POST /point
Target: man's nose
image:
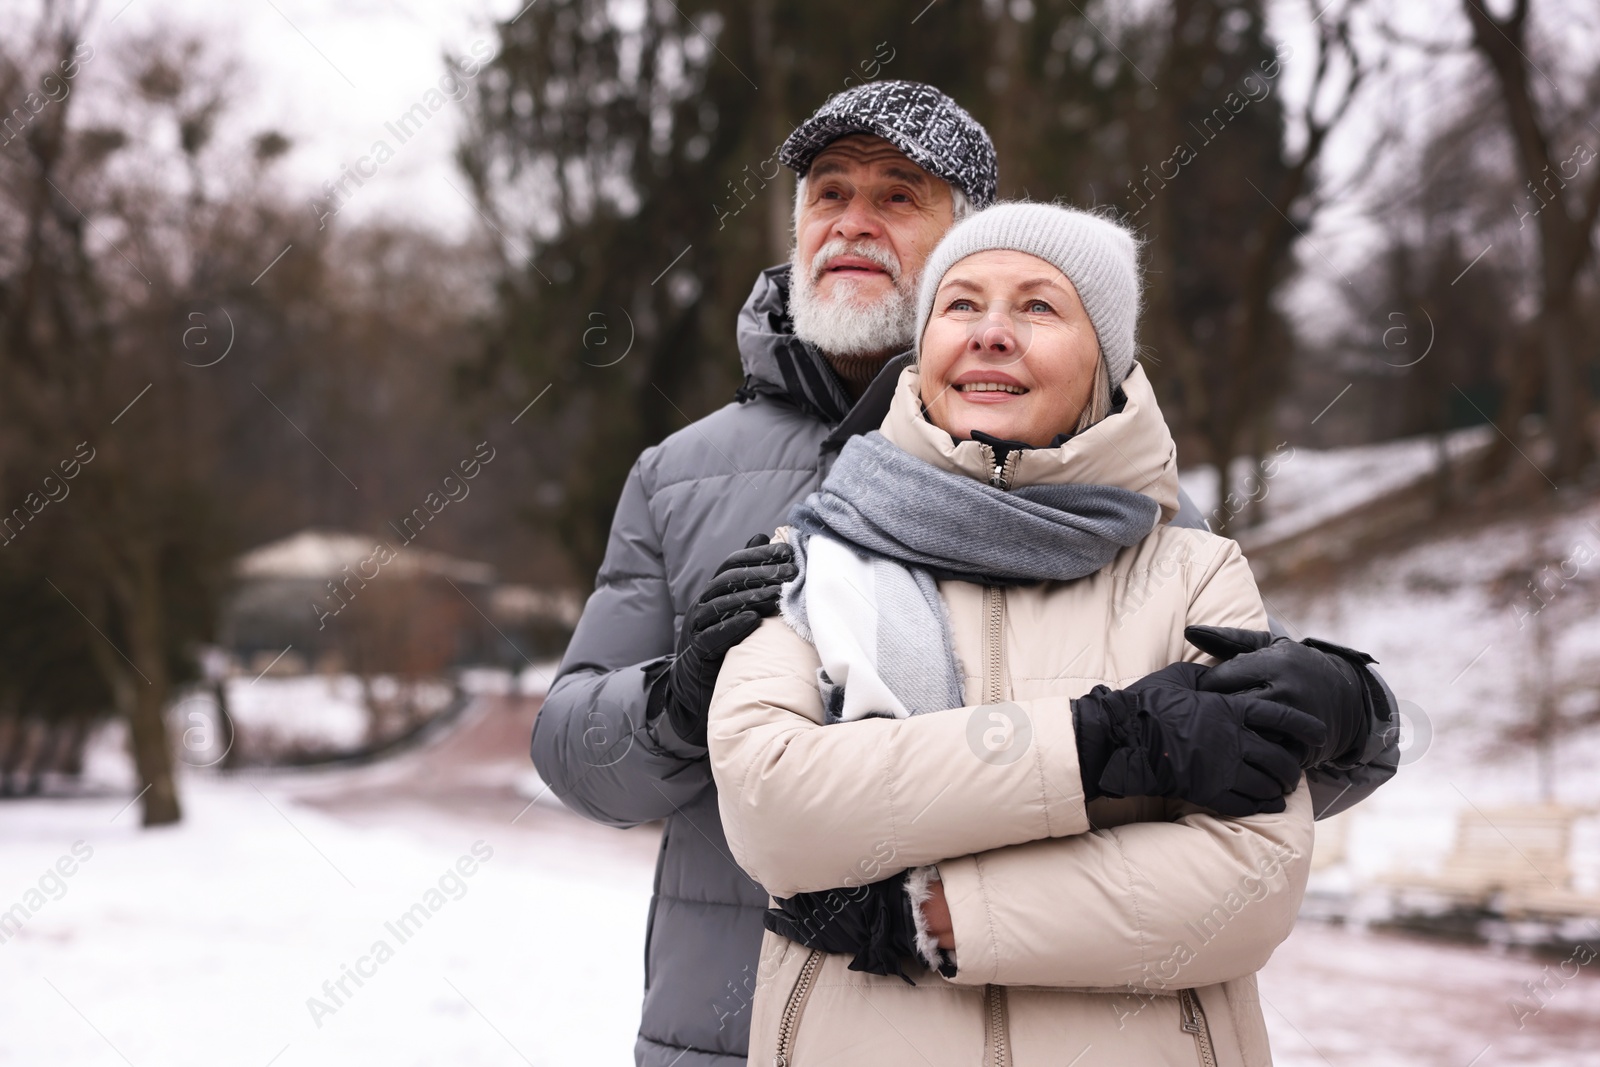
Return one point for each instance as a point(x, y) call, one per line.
point(859, 219)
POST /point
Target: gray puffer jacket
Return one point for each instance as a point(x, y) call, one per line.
point(688, 503)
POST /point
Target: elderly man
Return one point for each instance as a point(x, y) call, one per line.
point(884, 170)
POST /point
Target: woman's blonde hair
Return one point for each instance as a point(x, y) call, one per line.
point(1099, 405)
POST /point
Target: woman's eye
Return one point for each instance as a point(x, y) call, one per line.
point(960, 305)
point(1038, 307)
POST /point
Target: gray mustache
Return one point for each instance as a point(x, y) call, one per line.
point(840, 247)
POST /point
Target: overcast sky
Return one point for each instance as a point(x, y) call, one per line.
point(331, 74)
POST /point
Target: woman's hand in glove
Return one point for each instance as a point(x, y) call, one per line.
point(744, 590)
point(1164, 736)
point(873, 923)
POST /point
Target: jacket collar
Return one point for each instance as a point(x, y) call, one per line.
point(1132, 449)
point(777, 363)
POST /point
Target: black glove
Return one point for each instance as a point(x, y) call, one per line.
point(1164, 736)
point(873, 923)
point(744, 589)
point(1325, 680)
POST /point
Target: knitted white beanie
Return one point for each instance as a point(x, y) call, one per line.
point(1098, 255)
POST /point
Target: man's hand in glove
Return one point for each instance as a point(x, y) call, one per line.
point(1164, 736)
point(743, 591)
point(873, 923)
point(1323, 680)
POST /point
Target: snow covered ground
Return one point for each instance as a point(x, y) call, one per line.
point(212, 941)
point(1333, 998)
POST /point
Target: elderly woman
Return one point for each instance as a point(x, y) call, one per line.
point(972, 761)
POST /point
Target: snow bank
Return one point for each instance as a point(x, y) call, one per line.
point(1309, 486)
point(317, 712)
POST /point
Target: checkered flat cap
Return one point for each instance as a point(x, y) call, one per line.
point(933, 131)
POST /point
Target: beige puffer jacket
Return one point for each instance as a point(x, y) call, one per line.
point(1121, 932)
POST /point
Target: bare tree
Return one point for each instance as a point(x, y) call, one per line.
point(1230, 382)
point(134, 546)
point(1565, 223)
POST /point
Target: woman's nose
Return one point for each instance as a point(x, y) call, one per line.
point(995, 337)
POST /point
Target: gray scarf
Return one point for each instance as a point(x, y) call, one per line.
point(896, 525)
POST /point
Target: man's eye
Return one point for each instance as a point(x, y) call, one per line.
point(900, 198)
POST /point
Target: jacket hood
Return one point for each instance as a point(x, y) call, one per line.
point(1131, 449)
point(776, 362)
point(764, 325)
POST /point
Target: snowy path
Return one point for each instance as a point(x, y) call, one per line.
point(202, 944)
point(1333, 997)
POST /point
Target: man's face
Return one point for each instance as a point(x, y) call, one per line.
point(869, 219)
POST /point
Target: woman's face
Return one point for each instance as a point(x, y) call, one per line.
point(1008, 350)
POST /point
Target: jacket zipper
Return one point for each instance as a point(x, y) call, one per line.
point(1003, 472)
point(998, 1053)
point(994, 597)
point(994, 618)
point(994, 615)
point(1194, 1022)
point(790, 1023)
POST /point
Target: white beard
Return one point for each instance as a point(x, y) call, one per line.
point(848, 323)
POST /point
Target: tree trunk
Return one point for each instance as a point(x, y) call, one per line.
point(1222, 452)
point(52, 744)
point(225, 727)
point(152, 756)
point(72, 759)
point(1260, 434)
point(772, 132)
point(1443, 493)
point(1545, 712)
point(1525, 375)
point(129, 588)
point(12, 736)
point(1006, 87)
point(152, 751)
point(1566, 392)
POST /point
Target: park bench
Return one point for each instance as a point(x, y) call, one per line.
point(1512, 861)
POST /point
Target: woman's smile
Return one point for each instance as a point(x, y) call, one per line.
point(988, 387)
